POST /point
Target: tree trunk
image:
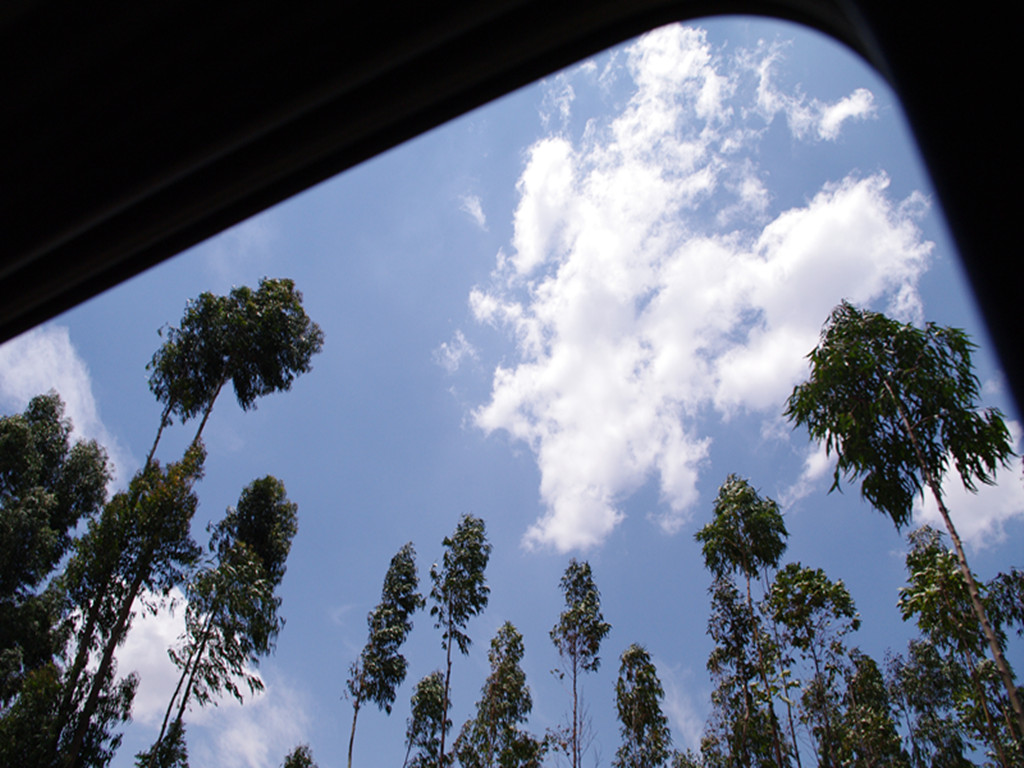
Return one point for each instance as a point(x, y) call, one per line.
point(352, 735)
point(447, 680)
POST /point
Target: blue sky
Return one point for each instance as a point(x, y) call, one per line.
point(572, 313)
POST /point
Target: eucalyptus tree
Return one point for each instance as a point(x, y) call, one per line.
point(231, 619)
point(47, 487)
point(869, 738)
point(260, 341)
point(646, 739)
point(577, 637)
point(381, 668)
point(898, 405)
point(141, 541)
point(300, 757)
point(924, 689)
point(740, 732)
point(937, 598)
point(493, 738)
point(815, 614)
point(459, 593)
point(427, 724)
point(747, 535)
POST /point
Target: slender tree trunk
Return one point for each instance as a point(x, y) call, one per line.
point(776, 746)
point(575, 714)
point(352, 735)
point(186, 673)
point(972, 586)
point(447, 681)
point(208, 409)
point(192, 674)
point(160, 430)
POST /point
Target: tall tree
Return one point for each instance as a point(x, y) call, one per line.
point(740, 732)
point(937, 598)
point(381, 667)
point(300, 757)
point(232, 615)
point(815, 614)
point(869, 736)
point(459, 593)
point(141, 541)
point(747, 535)
point(898, 404)
point(924, 688)
point(577, 637)
point(47, 487)
point(646, 739)
point(427, 725)
point(493, 738)
point(258, 340)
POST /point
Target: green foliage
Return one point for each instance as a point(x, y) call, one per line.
point(577, 637)
point(170, 752)
point(868, 736)
point(300, 757)
point(231, 619)
point(815, 614)
point(646, 740)
point(381, 668)
point(747, 533)
point(427, 724)
point(581, 626)
point(259, 340)
point(937, 597)
point(493, 737)
point(741, 730)
point(46, 487)
point(923, 689)
point(873, 382)
point(460, 589)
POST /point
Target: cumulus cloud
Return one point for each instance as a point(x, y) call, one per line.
point(145, 652)
point(44, 359)
point(980, 518)
point(471, 204)
point(637, 308)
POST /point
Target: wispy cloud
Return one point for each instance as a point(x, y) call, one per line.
point(451, 353)
point(44, 359)
point(636, 307)
point(471, 204)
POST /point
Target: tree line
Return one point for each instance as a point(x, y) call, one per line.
point(895, 404)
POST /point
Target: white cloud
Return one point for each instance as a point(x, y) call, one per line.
point(256, 734)
point(682, 713)
point(634, 310)
point(245, 247)
point(44, 359)
point(471, 204)
point(451, 354)
point(816, 465)
point(805, 117)
point(145, 652)
point(980, 518)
